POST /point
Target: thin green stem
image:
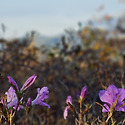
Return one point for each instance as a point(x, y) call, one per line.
point(80, 114)
point(11, 120)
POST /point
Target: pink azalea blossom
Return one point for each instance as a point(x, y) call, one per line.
point(68, 101)
point(110, 95)
point(28, 83)
point(42, 94)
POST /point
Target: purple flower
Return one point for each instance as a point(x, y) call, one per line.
point(83, 92)
point(65, 114)
point(12, 99)
point(28, 83)
point(110, 95)
point(29, 102)
point(2, 101)
point(11, 81)
point(41, 95)
point(68, 102)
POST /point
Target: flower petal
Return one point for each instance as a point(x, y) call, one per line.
point(105, 97)
point(65, 114)
point(2, 101)
point(121, 93)
point(29, 82)
point(106, 109)
point(69, 100)
point(113, 91)
point(44, 89)
point(42, 103)
point(29, 102)
point(11, 81)
point(11, 95)
point(83, 92)
point(121, 108)
point(110, 95)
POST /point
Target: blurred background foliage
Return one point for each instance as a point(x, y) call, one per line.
point(95, 59)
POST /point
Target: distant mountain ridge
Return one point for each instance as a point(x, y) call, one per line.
point(47, 40)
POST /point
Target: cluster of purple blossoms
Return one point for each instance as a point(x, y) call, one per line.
point(110, 96)
point(113, 99)
point(13, 95)
point(69, 101)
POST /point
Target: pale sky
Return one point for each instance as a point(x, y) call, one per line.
point(51, 17)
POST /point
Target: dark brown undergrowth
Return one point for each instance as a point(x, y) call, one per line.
point(65, 71)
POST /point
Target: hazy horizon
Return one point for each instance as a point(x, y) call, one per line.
point(52, 17)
